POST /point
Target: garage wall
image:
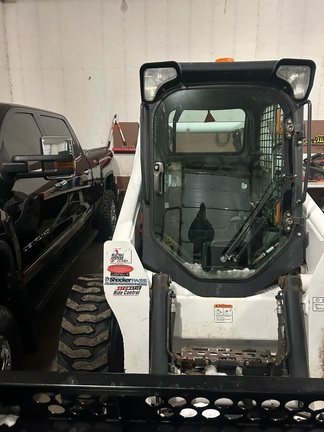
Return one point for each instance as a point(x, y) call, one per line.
point(81, 57)
point(4, 70)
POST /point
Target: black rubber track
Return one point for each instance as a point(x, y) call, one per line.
point(88, 335)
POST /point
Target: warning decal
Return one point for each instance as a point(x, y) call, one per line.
point(223, 313)
point(318, 304)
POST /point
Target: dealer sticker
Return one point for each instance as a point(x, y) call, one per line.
point(318, 304)
point(119, 256)
point(223, 313)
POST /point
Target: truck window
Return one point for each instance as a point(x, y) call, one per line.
point(57, 126)
point(21, 135)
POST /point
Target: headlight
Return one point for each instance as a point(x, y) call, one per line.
point(297, 76)
point(154, 78)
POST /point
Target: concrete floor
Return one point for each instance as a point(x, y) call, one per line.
point(48, 321)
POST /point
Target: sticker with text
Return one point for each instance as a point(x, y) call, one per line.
point(120, 269)
point(127, 290)
point(120, 256)
point(223, 313)
point(318, 304)
point(119, 280)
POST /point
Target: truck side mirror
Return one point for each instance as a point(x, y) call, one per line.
point(56, 161)
point(62, 165)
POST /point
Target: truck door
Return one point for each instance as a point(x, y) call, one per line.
point(77, 190)
point(33, 203)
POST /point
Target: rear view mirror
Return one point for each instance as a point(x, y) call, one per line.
point(59, 157)
point(54, 145)
point(56, 161)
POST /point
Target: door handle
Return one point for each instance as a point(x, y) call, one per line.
point(87, 171)
point(158, 175)
point(60, 184)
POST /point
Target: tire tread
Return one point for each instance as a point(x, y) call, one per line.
point(85, 337)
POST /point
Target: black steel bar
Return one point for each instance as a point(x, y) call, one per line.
point(52, 401)
point(140, 384)
point(295, 327)
point(160, 312)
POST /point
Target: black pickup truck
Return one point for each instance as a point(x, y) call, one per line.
point(50, 189)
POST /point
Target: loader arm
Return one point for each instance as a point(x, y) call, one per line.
point(235, 242)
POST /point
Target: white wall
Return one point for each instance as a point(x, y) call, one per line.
point(4, 71)
point(82, 57)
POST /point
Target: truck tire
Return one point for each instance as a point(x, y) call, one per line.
point(107, 217)
point(90, 339)
point(10, 344)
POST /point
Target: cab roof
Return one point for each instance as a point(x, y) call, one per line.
point(241, 72)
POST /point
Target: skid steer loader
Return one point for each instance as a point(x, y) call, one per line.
point(209, 312)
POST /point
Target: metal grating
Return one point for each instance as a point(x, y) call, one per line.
point(270, 148)
point(90, 401)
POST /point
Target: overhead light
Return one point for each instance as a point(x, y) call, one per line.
point(154, 78)
point(298, 76)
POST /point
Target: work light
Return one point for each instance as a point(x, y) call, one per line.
point(154, 78)
point(298, 78)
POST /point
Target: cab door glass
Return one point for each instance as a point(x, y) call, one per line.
point(218, 169)
point(57, 126)
point(209, 131)
point(79, 192)
point(21, 135)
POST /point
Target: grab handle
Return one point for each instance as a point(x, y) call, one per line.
point(158, 174)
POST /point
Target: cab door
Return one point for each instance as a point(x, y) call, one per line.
point(31, 202)
point(76, 191)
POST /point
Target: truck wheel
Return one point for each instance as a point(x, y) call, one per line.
point(107, 217)
point(90, 339)
point(10, 346)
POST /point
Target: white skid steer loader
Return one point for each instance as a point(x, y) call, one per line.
point(211, 305)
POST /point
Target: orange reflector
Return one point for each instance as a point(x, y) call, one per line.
point(64, 165)
point(278, 208)
point(224, 59)
point(278, 127)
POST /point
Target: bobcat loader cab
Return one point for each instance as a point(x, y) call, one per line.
point(220, 142)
